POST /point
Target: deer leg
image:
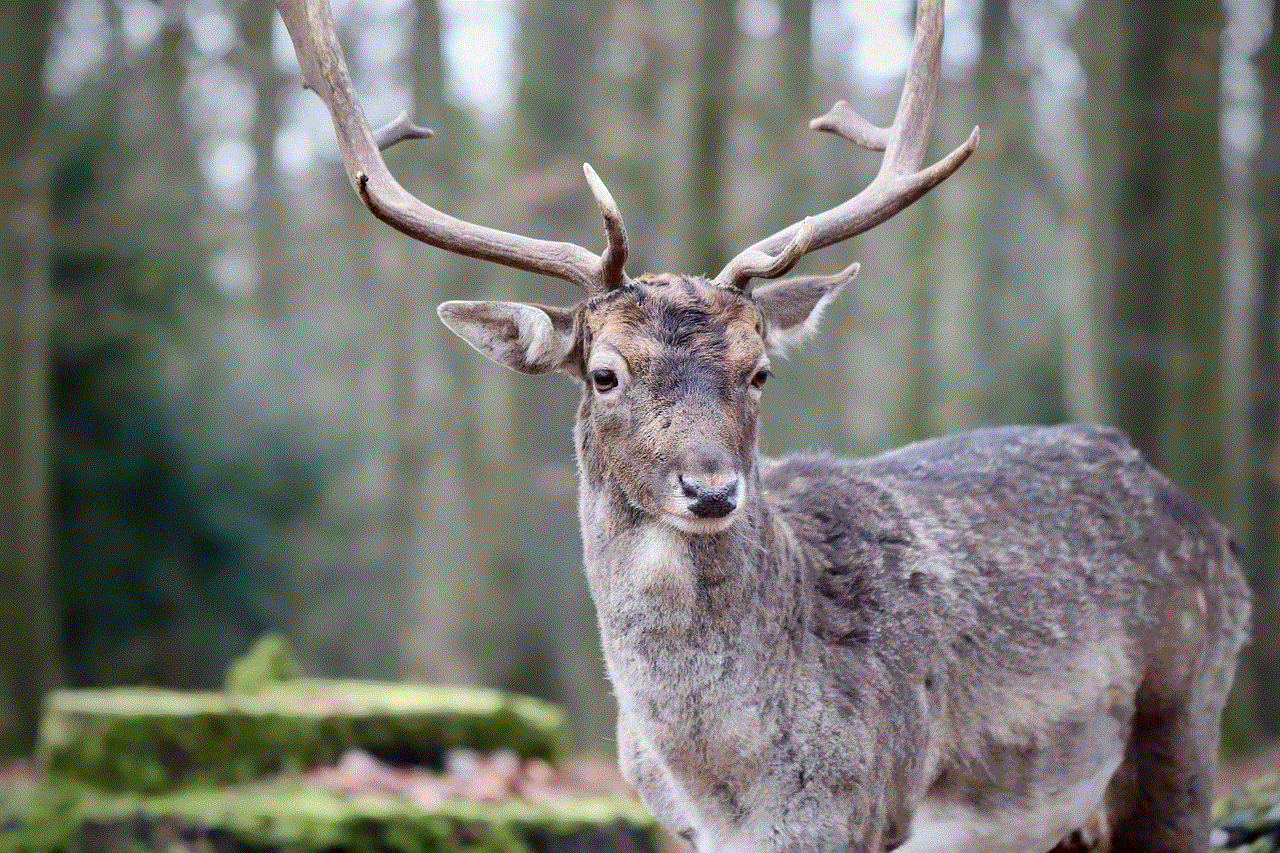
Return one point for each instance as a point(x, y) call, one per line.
point(652, 783)
point(1160, 798)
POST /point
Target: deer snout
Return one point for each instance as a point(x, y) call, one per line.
point(708, 482)
point(706, 501)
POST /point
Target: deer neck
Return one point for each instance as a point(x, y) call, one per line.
point(697, 632)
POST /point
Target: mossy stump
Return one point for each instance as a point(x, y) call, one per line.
point(141, 770)
point(150, 741)
point(282, 816)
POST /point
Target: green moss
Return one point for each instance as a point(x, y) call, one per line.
point(270, 661)
point(288, 816)
point(1250, 812)
point(151, 741)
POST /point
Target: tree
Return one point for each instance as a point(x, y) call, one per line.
point(435, 450)
point(553, 131)
point(1261, 525)
point(1156, 237)
point(29, 660)
point(704, 204)
point(1017, 342)
point(1157, 202)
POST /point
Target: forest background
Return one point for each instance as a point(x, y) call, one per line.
point(228, 407)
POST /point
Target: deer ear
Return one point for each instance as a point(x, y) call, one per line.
point(793, 306)
point(527, 338)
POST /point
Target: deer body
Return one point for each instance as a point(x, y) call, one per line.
point(973, 643)
point(1009, 640)
point(941, 648)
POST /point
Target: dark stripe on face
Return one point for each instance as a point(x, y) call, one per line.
point(689, 326)
point(681, 375)
point(678, 313)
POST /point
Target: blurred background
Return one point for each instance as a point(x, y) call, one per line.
point(228, 405)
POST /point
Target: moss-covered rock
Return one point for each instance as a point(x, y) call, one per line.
point(151, 741)
point(284, 816)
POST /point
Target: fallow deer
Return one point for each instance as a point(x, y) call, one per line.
point(1007, 640)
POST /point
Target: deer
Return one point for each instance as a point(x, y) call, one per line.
point(1014, 639)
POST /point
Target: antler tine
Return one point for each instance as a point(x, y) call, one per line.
point(843, 120)
point(900, 180)
point(615, 253)
point(324, 71)
point(399, 129)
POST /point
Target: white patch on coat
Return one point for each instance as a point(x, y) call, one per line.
point(660, 561)
point(942, 827)
point(537, 335)
point(629, 707)
point(660, 580)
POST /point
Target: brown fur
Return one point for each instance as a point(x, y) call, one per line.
point(863, 654)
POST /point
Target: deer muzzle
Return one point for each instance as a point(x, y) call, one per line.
point(709, 501)
point(704, 489)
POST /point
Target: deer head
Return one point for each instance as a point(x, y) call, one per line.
point(673, 366)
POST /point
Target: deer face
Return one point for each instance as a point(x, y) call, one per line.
point(673, 369)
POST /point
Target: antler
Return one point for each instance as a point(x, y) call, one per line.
point(324, 71)
point(900, 180)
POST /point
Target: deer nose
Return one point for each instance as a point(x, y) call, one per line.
point(706, 501)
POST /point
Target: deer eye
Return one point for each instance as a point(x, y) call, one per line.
point(604, 379)
point(760, 377)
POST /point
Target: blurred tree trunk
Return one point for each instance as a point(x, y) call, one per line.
point(914, 418)
point(271, 234)
point(1015, 367)
point(31, 659)
point(405, 308)
point(638, 70)
point(1152, 135)
point(436, 455)
point(1001, 109)
point(787, 111)
point(703, 206)
point(796, 89)
point(256, 61)
point(1261, 528)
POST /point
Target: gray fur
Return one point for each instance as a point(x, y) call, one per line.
point(946, 647)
